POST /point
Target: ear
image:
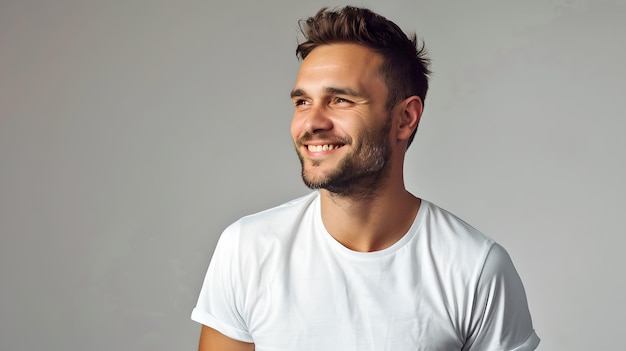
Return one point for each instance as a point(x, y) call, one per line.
point(410, 112)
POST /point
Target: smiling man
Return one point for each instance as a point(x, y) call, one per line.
point(360, 263)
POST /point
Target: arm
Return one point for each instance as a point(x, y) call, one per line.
point(212, 340)
point(219, 309)
point(501, 319)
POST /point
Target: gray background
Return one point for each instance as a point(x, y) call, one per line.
point(132, 132)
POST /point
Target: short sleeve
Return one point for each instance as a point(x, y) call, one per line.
point(221, 295)
point(500, 316)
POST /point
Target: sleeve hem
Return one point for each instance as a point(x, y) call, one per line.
point(530, 344)
point(210, 321)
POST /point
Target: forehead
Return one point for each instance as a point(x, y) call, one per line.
point(341, 63)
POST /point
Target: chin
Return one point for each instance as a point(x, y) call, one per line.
point(314, 182)
point(315, 179)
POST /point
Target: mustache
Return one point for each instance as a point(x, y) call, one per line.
point(326, 137)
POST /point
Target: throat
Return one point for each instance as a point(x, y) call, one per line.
point(368, 226)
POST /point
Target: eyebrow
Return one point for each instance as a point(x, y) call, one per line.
point(297, 93)
point(329, 90)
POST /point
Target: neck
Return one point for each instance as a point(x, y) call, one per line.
point(369, 223)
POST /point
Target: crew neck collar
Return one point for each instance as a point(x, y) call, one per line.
point(336, 245)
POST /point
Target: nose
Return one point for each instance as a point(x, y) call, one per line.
point(317, 120)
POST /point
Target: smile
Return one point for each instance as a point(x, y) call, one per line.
point(325, 147)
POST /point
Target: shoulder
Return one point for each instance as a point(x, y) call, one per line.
point(452, 234)
point(281, 213)
point(266, 226)
point(454, 249)
point(479, 275)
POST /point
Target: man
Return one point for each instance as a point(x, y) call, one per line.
point(361, 263)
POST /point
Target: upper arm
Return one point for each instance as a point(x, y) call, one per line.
point(212, 340)
point(220, 302)
point(501, 317)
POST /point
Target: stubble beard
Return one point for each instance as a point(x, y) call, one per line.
point(359, 174)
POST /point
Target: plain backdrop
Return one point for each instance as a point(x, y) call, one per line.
point(133, 132)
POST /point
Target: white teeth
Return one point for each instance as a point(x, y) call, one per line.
point(318, 148)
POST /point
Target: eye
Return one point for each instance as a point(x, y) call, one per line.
point(300, 102)
point(340, 100)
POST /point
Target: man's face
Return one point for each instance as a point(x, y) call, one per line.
point(341, 125)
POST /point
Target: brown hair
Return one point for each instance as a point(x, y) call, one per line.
point(405, 64)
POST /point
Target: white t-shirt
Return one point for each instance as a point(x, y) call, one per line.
point(280, 280)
